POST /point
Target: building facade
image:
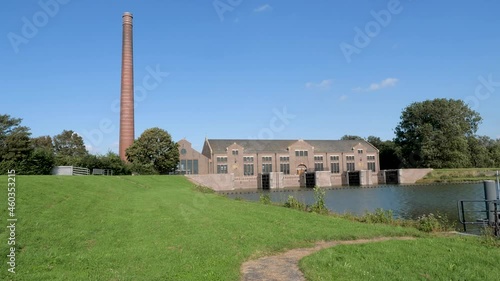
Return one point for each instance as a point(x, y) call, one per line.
point(291, 157)
point(238, 163)
point(191, 162)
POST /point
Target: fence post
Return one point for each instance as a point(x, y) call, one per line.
point(490, 194)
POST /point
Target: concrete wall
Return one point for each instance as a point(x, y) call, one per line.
point(323, 178)
point(62, 170)
point(217, 182)
point(408, 176)
point(249, 182)
point(291, 181)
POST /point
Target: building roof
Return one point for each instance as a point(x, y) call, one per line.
point(251, 146)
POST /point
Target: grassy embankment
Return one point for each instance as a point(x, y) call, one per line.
point(460, 175)
point(152, 228)
point(160, 228)
point(458, 258)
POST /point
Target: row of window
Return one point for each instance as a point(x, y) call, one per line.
point(318, 166)
point(267, 168)
point(188, 166)
point(248, 169)
point(300, 153)
point(223, 159)
point(267, 159)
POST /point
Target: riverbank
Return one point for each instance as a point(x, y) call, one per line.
point(459, 175)
point(158, 228)
point(153, 228)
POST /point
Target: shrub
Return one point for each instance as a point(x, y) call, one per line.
point(293, 203)
point(433, 223)
point(488, 237)
point(204, 189)
point(265, 199)
point(379, 216)
point(319, 206)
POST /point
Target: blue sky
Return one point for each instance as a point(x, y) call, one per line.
point(247, 69)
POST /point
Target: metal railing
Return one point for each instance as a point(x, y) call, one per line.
point(491, 210)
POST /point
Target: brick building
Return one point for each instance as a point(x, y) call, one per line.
point(284, 160)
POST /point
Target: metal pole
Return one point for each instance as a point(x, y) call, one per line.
point(490, 194)
point(463, 216)
point(498, 187)
point(497, 233)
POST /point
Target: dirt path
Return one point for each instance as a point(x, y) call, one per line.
point(285, 266)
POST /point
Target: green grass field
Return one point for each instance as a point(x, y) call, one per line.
point(161, 228)
point(457, 258)
point(151, 228)
point(460, 175)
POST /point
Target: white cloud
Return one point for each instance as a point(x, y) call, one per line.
point(263, 8)
point(343, 97)
point(323, 85)
point(386, 83)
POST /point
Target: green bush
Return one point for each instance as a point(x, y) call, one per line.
point(379, 216)
point(203, 189)
point(319, 205)
point(488, 237)
point(293, 203)
point(433, 223)
point(265, 199)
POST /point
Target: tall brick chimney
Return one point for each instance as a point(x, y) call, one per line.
point(127, 88)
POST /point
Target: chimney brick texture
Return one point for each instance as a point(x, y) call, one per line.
point(127, 88)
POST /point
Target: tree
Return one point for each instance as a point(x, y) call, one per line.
point(478, 151)
point(388, 155)
point(15, 146)
point(43, 142)
point(40, 162)
point(113, 162)
point(351, 137)
point(494, 152)
point(434, 133)
point(154, 152)
point(69, 148)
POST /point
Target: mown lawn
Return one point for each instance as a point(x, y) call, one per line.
point(151, 228)
point(460, 175)
point(457, 258)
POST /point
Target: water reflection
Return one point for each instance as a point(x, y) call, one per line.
point(405, 201)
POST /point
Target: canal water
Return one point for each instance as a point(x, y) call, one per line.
point(406, 201)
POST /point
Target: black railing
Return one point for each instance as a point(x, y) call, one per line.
point(491, 210)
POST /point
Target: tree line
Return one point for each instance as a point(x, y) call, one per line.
point(439, 133)
point(38, 155)
point(153, 152)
